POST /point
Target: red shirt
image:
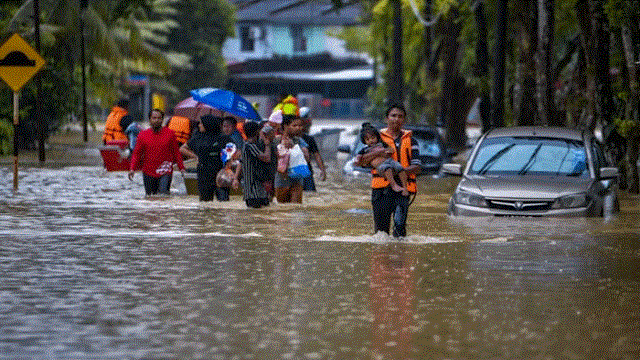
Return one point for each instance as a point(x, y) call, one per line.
point(157, 151)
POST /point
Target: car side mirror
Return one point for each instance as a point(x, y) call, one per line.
point(344, 149)
point(452, 169)
point(608, 173)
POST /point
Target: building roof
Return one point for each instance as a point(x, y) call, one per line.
point(297, 12)
point(341, 75)
point(321, 73)
point(316, 62)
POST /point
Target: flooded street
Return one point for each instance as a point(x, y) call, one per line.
point(91, 269)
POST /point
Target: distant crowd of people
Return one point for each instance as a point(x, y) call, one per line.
point(264, 159)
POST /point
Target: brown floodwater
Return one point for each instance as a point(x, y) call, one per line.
point(90, 269)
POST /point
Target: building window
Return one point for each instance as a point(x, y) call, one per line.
point(299, 41)
point(247, 41)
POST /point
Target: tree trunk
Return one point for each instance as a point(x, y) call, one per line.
point(544, 57)
point(482, 66)
point(427, 41)
point(631, 111)
point(450, 98)
point(396, 87)
point(462, 97)
point(524, 90)
point(497, 95)
point(583, 16)
point(595, 35)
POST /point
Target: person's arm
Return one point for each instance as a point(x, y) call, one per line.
point(323, 172)
point(186, 151)
point(236, 176)
point(176, 154)
point(305, 152)
point(365, 159)
point(265, 156)
point(135, 158)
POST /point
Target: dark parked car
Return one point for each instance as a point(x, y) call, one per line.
point(431, 149)
point(535, 171)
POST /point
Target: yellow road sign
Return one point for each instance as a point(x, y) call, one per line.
point(18, 62)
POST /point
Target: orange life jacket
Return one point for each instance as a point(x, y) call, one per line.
point(240, 128)
point(112, 128)
point(181, 126)
point(402, 155)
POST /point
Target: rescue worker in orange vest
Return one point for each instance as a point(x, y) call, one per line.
point(113, 130)
point(182, 127)
point(384, 201)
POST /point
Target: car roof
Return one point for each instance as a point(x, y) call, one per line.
point(537, 131)
point(420, 128)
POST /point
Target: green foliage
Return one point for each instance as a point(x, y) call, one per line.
point(624, 126)
point(204, 26)
point(619, 11)
point(6, 137)
point(121, 37)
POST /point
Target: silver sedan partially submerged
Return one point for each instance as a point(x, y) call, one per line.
point(535, 171)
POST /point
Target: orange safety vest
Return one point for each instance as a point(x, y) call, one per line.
point(377, 180)
point(112, 128)
point(240, 128)
point(182, 127)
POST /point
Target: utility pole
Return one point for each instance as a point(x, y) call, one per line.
point(40, 120)
point(83, 8)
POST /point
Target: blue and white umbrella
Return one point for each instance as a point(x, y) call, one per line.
point(227, 101)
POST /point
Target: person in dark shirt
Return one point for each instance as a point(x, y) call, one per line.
point(254, 165)
point(308, 183)
point(229, 127)
point(206, 146)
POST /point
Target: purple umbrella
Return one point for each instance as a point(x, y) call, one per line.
point(193, 109)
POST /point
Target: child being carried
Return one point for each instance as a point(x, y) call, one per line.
point(383, 164)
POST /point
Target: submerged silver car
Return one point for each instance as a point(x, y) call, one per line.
point(535, 171)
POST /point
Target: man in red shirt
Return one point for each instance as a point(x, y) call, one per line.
point(157, 150)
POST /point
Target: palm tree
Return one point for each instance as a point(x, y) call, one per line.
point(122, 37)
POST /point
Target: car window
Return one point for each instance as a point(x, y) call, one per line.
point(428, 147)
point(359, 145)
point(530, 155)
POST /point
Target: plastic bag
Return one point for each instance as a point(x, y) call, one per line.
point(224, 178)
point(283, 159)
point(298, 167)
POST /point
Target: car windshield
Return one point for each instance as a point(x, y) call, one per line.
point(428, 145)
point(530, 155)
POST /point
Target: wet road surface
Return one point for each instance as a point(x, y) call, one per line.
point(91, 269)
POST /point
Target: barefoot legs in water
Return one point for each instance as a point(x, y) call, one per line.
point(388, 174)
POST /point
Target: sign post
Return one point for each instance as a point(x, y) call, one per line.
point(18, 63)
point(16, 98)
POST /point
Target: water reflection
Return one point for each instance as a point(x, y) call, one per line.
point(392, 301)
point(91, 269)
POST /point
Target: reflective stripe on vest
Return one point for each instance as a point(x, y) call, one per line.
point(378, 181)
point(181, 127)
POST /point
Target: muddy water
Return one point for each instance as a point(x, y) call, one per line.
point(90, 269)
